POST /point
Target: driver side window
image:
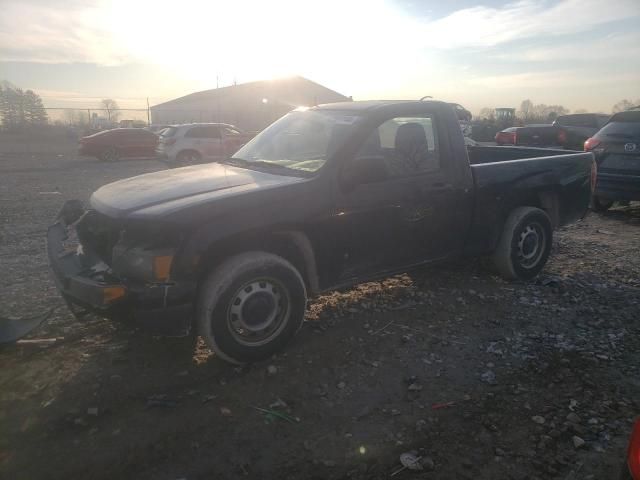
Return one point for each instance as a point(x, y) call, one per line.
point(401, 147)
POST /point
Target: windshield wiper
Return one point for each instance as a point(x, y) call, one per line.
point(262, 165)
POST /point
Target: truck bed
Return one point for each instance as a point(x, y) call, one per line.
point(554, 180)
point(489, 154)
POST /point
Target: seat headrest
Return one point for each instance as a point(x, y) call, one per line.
point(410, 136)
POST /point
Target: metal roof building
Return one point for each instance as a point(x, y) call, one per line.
point(250, 106)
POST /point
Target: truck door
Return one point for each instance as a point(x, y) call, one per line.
point(404, 213)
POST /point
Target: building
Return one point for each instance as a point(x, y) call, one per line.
point(250, 106)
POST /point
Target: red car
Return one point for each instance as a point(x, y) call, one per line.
point(506, 136)
point(112, 145)
point(631, 471)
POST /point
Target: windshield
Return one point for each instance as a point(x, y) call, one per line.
point(168, 132)
point(625, 125)
point(301, 141)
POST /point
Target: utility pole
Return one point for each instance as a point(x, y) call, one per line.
point(148, 113)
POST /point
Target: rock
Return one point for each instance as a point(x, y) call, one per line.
point(538, 419)
point(488, 377)
point(272, 369)
point(92, 411)
point(341, 385)
point(573, 418)
point(428, 464)
point(578, 442)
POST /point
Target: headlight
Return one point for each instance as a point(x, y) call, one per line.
point(142, 264)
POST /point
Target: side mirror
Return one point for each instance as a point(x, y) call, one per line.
point(368, 169)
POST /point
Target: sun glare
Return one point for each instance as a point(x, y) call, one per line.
point(247, 40)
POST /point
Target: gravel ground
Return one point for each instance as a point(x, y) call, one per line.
point(479, 377)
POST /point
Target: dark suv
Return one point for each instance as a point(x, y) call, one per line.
point(617, 152)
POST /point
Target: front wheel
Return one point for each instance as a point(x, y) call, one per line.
point(524, 245)
point(188, 157)
point(251, 306)
point(599, 204)
point(111, 154)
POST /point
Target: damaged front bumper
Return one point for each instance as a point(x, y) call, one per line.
point(87, 282)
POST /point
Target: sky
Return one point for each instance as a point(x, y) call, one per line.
point(582, 54)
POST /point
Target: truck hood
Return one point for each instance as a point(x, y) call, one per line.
point(167, 191)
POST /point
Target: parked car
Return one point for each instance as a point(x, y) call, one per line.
point(193, 143)
point(631, 468)
point(567, 131)
point(535, 135)
point(112, 145)
point(617, 152)
point(576, 128)
point(157, 128)
point(506, 136)
point(323, 198)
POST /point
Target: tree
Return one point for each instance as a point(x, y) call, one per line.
point(530, 113)
point(20, 109)
point(623, 105)
point(526, 110)
point(487, 113)
point(12, 107)
point(34, 111)
point(112, 108)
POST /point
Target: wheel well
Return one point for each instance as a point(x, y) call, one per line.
point(292, 245)
point(188, 150)
point(547, 201)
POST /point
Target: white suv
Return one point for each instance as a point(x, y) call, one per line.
point(199, 142)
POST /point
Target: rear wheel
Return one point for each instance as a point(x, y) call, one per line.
point(188, 157)
point(599, 204)
point(251, 306)
point(525, 244)
point(111, 154)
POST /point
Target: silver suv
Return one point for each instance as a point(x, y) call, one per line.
point(199, 142)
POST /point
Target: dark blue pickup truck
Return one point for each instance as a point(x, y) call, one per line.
point(323, 198)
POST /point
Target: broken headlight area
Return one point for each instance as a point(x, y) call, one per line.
point(139, 263)
point(128, 252)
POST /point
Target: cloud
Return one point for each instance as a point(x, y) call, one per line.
point(618, 46)
point(50, 32)
point(111, 32)
point(489, 26)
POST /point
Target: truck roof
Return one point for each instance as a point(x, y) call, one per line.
point(369, 105)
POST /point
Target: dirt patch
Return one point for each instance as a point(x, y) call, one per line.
point(482, 378)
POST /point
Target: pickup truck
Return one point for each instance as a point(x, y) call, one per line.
point(323, 198)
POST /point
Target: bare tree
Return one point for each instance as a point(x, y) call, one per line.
point(487, 113)
point(526, 110)
point(625, 104)
point(112, 108)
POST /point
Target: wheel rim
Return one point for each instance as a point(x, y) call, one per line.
point(258, 311)
point(532, 243)
point(111, 155)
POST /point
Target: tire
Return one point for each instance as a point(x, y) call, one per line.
point(250, 307)
point(188, 157)
point(111, 154)
point(600, 205)
point(525, 244)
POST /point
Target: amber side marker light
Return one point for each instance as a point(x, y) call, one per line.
point(109, 294)
point(162, 267)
